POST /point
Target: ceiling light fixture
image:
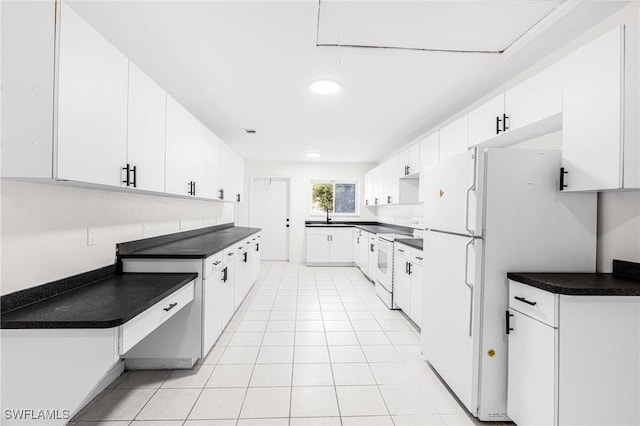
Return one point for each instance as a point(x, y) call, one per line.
point(324, 87)
point(312, 155)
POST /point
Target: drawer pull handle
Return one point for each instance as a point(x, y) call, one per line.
point(401, 251)
point(217, 262)
point(419, 258)
point(523, 300)
point(171, 306)
point(230, 254)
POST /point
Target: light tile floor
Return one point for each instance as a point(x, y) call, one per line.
point(308, 346)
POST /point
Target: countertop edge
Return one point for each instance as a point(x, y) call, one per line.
point(111, 323)
point(202, 255)
point(558, 288)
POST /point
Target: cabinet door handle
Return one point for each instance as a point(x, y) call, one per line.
point(498, 128)
point(562, 173)
point(371, 248)
point(507, 322)
point(523, 300)
point(406, 268)
point(257, 246)
point(127, 170)
point(505, 127)
point(389, 199)
point(409, 266)
point(221, 194)
point(366, 202)
point(224, 275)
point(171, 306)
point(245, 257)
point(238, 197)
point(194, 188)
point(376, 201)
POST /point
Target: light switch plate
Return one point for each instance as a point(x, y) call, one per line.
point(91, 237)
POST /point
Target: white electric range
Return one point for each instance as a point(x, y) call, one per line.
point(383, 275)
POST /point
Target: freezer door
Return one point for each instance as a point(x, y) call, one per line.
point(449, 317)
point(450, 195)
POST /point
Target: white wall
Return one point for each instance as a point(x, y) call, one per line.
point(44, 227)
point(618, 228)
point(301, 175)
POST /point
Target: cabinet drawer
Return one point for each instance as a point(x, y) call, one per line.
point(140, 326)
point(536, 303)
point(211, 263)
point(416, 257)
point(229, 253)
point(402, 251)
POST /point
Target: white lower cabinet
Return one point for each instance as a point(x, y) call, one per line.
point(327, 245)
point(365, 252)
point(573, 360)
point(531, 371)
point(407, 281)
point(227, 280)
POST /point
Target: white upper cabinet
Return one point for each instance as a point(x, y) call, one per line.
point(236, 176)
point(409, 161)
point(453, 138)
point(198, 160)
point(92, 104)
point(212, 157)
point(535, 99)
point(145, 132)
point(429, 154)
point(530, 109)
point(599, 133)
point(179, 145)
point(391, 185)
point(487, 121)
point(224, 192)
point(378, 186)
point(368, 188)
point(28, 30)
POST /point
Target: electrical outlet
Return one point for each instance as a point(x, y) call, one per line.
point(91, 237)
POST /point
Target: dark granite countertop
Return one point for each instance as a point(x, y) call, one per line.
point(105, 303)
point(192, 247)
point(372, 227)
point(411, 242)
point(580, 284)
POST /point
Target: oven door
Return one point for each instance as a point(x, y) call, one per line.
point(384, 265)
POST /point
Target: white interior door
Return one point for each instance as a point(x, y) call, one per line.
point(269, 209)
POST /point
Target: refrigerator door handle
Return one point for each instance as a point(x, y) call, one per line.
point(471, 187)
point(467, 283)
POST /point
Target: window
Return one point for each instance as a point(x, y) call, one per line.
point(339, 197)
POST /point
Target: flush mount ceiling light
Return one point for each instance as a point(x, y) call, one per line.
point(324, 87)
point(312, 155)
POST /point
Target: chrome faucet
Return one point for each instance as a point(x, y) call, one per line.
point(328, 218)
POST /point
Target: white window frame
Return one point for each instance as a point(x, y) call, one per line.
point(334, 182)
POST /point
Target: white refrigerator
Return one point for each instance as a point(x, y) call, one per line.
point(489, 212)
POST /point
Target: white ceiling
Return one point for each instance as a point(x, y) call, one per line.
point(239, 64)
